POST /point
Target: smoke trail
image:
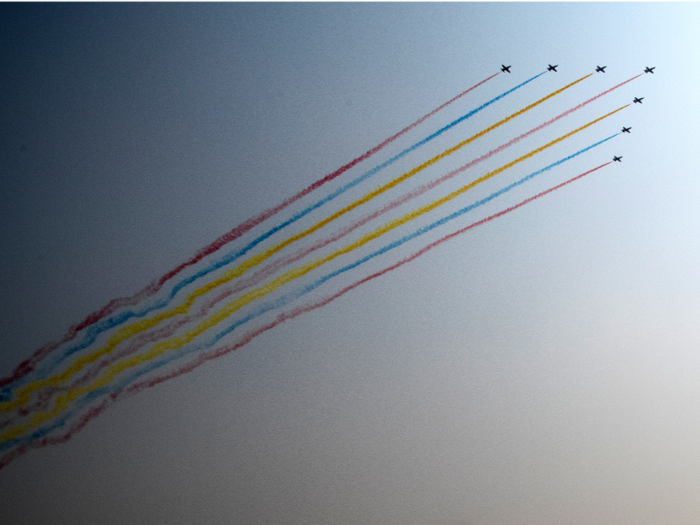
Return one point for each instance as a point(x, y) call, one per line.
point(23, 395)
point(42, 439)
point(45, 396)
point(281, 263)
point(271, 269)
point(285, 316)
point(95, 330)
point(131, 330)
point(63, 401)
point(28, 365)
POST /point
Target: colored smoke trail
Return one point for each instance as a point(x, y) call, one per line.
point(274, 267)
point(93, 332)
point(271, 269)
point(295, 312)
point(49, 440)
point(28, 365)
point(45, 396)
point(42, 402)
point(23, 396)
point(9, 437)
point(128, 331)
point(281, 263)
point(43, 439)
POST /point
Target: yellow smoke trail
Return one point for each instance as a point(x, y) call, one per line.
point(23, 394)
point(111, 372)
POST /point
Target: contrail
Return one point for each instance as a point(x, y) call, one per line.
point(95, 330)
point(41, 438)
point(28, 365)
point(63, 401)
point(46, 395)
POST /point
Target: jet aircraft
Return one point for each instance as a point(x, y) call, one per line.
point(600, 69)
point(638, 99)
point(625, 130)
point(552, 68)
point(505, 69)
point(617, 159)
point(650, 70)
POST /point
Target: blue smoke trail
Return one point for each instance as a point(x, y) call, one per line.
point(272, 305)
point(94, 331)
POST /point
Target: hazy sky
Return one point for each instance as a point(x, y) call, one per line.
point(542, 368)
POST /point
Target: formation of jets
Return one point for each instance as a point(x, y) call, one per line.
point(599, 69)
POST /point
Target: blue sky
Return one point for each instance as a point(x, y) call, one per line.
point(539, 369)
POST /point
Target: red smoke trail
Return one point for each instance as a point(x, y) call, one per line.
point(26, 366)
point(281, 318)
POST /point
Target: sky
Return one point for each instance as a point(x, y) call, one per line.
point(539, 368)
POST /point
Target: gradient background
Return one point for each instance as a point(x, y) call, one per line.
point(540, 369)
